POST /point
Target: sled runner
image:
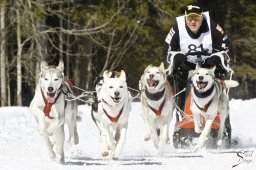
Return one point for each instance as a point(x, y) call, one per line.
point(184, 134)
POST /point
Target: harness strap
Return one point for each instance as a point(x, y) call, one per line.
point(157, 111)
point(48, 105)
point(113, 119)
point(70, 82)
point(205, 108)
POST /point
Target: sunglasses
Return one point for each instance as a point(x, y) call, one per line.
point(194, 17)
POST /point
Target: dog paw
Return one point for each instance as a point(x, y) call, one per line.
point(111, 147)
point(198, 129)
point(201, 142)
point(76, 139)
point(195, 149)
point(219, 143)
point(52, 155)
point(156, 143)
point(147, 137)
point(42, 131)
point(168, 140)
point(105, 154)
point(114, 157)
point(49, 131)
point(61, 161)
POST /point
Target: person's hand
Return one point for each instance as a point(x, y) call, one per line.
point(176, 57)
point(220, 59)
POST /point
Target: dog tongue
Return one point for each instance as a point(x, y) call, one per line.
point(151, 82)
point(50, 99)
point(201, 85)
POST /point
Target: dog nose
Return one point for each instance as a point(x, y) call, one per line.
point(50, 89)
point(200, 77)
point(151, 76)
point(117, 93)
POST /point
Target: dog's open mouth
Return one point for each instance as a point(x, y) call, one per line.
point(116, 99)
point(152, 83)
point(201, 84)
point(51, 97)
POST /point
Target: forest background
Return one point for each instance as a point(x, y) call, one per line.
point(94, 35)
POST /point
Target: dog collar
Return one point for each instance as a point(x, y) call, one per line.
point(155, 96)
point(159, 111)
point(48, 105)
point(203, 94)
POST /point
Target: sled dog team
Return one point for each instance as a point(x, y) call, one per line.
point(111, 113)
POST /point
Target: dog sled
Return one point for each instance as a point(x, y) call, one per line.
point(184, 135)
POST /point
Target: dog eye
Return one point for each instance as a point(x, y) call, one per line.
point(46, 79)
point(121, 87)
point(56, 79)
point(197, 73)
point(157, 72)
point(111, 87)
point(207, 74)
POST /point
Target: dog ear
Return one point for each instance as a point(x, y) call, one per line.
point(197, 67)
point(212, 70)
point(61, 65)
point(161, 67)
point(106, 75)
point(149, 66)
point(44, 65)
point(122, 75)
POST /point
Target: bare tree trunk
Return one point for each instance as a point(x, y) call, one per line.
point(19, 51)
point(88, 63)
point(61, 38)
point(41, 49)
point(76, 73)
point(3, 56)
point(68, 46)
point(89, 73)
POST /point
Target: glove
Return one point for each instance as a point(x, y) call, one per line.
point(175, 57)
point(220, 59)
point(213, 60)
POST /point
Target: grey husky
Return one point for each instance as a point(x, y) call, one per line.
point(51, 110)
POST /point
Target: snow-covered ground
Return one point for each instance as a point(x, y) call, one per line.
point(22, 148)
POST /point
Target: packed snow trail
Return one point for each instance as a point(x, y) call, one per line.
point(22, 148)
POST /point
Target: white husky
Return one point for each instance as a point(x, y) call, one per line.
point(51, 110)
point(113, 111)
point(158, 105)
point(209, 96)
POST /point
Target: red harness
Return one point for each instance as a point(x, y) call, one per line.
point(157, 111)
point(48, 105)
point(113, 119)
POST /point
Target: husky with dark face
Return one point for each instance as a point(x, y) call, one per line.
point(158, 105)
point(209, 96)
point(51, 110)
